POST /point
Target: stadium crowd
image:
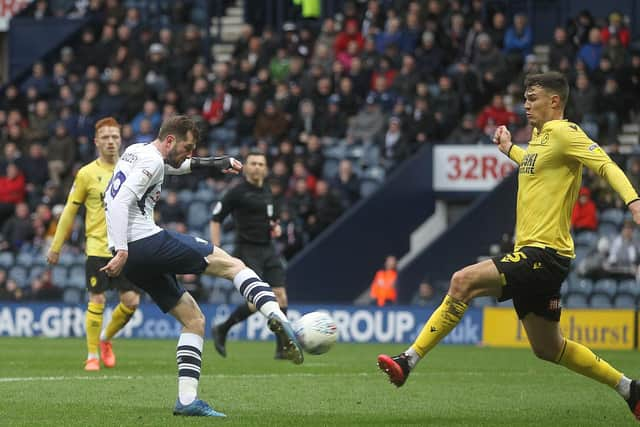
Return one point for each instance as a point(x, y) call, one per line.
point(335, 103)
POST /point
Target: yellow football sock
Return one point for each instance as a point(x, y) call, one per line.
point(94, 325)
point(441, 322)
point(120, 316)
point(580, 359)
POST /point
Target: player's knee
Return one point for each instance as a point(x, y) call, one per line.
point(97, 298)
point(460, 287)
point(131, 300)
point(545, 352)
point(235, 266)
point(281, 296)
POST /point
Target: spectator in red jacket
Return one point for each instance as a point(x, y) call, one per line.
point(12, 191)
point(616, 28)
point(585, 215)
point(495, 115)
point(351, 32)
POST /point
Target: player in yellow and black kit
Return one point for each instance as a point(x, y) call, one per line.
point(88, 190)
point(549, 178)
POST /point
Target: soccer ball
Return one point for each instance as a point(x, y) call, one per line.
point(316, 332)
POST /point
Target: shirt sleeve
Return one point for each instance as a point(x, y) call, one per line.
point(78, 192)
point(516, 153)
point(223, 207)
point(117, 216)
point(77, 195)
point(184, 168)
point(578, 146)
point(146, 171)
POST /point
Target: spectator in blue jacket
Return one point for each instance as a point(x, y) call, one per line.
point(590, 52)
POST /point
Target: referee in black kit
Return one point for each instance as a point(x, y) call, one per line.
point(251, 205)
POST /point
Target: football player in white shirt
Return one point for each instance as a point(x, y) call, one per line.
point(151, 256)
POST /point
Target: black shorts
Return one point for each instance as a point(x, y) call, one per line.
point(154, 261)
point(264, 260)
point(98, 282)
point(533, 277)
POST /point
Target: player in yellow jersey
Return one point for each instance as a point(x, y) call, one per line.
point(549, 178)
point(88, 190)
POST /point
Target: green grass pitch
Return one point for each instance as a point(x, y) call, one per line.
point(42, 383)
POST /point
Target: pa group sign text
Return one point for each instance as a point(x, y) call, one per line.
point(355, 324)
point(469, 167)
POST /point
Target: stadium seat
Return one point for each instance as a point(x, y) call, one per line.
point(25, 259)
point(6, 259)
point(581, 286)
point(77, 276)
point(600, 301)
point(586, 239)
point(208, 282)
point(198, 215)
point(66, 259)
point(376, 173)
point(72, 295)
point(19, 274)
point(564, 288)
point(576, 301)
point(59, 276)
point(624, 301)
point(368, 187)
point(371, 155)
point(185, 197)
point(355, 152)
point(581, 252)
point(606, 287)
point(205, 195)
point(612, 216)
point(219, 294)
point(629, 287)
point(608, 230)
point(330, 168)
point(35, 272)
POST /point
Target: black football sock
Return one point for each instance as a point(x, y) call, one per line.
point(241, 313)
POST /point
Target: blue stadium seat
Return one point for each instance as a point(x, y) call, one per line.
point(59, 275)
point(185, 197)
point(72, 295)
point(600, 301)
point(368, 187)
point(198, 215)
point(612, 216)
point(35, 272)
point(629, 287)
point(624, 301)
point(208, 282)
point(66, 259)
point(25, 259)
point(581, 286)
point(337, 152)
point(19, 274)
point(587, 239)
point(355, 152)
point(205, 195)
point(576, 301)
point(606, 287)
point(608, 230)
point(376, 173)
point(6, 259)
point(564, 288)
point(77, 276)
point(371, 155)
point(219, 294)
point(581, 252)
point(330, 168)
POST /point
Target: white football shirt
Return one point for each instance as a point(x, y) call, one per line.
point(133, 192)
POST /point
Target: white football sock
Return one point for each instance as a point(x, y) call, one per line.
point(624, 387)
point(189, 357)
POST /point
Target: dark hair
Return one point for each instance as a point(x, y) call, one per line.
point(257, 153)
point(552, 81)
point(179, 126)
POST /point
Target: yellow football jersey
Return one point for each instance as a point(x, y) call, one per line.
point(549, 179)
point(88, 190)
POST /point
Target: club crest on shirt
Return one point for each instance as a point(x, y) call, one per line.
point(545, 139)
point(593, 147)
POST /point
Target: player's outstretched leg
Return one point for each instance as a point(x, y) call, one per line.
point(259, 294)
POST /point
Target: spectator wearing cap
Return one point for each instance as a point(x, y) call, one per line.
point(346, 184)
point(466, 132)
point(61, 153)
point(429, 57)
point(367, 124)
point(561, 47)
point(335, 120)
point(591, 51)
point(306, 123)
point(617, 29)
point(12, 190)
point(495, 115)
point(489, 62)
point(585, 213)
point(394, 145)
point(271, 124)
point(350, 32)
